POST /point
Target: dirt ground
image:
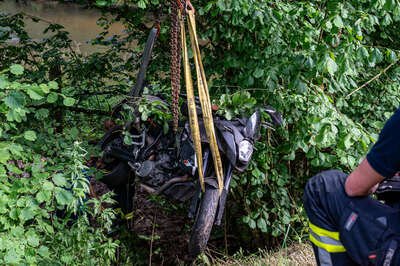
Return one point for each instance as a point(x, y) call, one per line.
point(163, 232)
point(165, 229)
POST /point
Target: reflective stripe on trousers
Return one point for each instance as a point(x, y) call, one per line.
point(326, 242)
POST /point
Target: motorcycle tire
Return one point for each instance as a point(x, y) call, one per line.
point(204, 221)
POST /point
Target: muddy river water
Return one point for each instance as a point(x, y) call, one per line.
point(77, 20)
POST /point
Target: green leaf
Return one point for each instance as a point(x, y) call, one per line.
point(44, 251)
point(14, 100)
point(26, 214)
point(42, 113)
point(17, 69)
point(328, 25)
point(128, 139)
point(258, 73)
point(43, 196)
point(35, 92)
point(48, 186)
point(30, 135)
point(347, 141)
point(101, 3)
point(59, 180)
point(44, 88)
point(262, 225)
point(63, 196)
point(52, 97)
point(32, 238)
point(3, 82)
point(68, 101)
point(12, 257)
point(252, 224)
point(15, 149)
point(338, 22)
point(52, 85)
point(4, 155)
point(331, 66)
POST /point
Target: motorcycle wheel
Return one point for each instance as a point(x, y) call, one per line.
point(204, 221)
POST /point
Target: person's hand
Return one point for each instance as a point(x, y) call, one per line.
point(374, 188)
point(363, 180)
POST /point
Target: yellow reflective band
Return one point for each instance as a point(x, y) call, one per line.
point(323, 232)
point(328, 247)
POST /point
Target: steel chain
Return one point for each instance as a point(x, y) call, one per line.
point(175, 62)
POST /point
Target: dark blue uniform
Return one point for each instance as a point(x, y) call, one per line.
point(356, 230)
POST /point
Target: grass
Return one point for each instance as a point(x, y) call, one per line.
point(296, 254)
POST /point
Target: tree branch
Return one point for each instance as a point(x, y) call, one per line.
point(369, 81)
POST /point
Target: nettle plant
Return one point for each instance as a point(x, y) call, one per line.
point(45, 211)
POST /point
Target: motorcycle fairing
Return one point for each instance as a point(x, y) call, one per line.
point(252, 127)
point(229, 144)
point(232, 147)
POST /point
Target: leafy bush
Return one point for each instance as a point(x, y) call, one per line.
point(309, 59)
point(331, 68)
point(44, 203)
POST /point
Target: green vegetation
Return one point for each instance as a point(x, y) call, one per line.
point(44, 207)
point(331, 68)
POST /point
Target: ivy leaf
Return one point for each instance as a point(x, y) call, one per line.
point(17, 69)
point(331, 66)
point(68, 101)
point(30, 135)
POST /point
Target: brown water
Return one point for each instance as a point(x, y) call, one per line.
point(78, 21)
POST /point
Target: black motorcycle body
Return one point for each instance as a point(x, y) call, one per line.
point(388, 191)
point(164, 163)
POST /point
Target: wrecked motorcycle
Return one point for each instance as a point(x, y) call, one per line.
point(164, 163)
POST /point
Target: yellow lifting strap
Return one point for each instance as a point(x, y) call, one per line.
point(204, 100)
point(193, 120)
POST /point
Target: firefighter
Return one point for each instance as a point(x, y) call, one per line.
point(347, 225)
